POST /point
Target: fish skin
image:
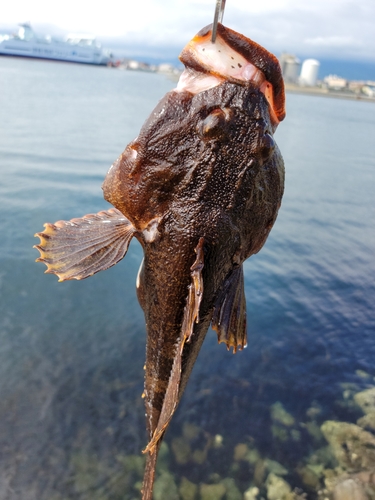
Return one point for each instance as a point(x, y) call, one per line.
point(200, 188)
point(224, 185)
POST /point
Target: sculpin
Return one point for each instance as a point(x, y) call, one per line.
point(200, 189)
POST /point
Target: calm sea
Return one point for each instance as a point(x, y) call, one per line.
point(72, 354)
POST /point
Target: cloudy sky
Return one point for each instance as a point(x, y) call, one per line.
point(340, 29)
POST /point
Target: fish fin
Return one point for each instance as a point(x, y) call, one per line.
point(169, 404)
point(229, 317)
point(191, 316)
point(149, 474)
point(191, 311)
point(79, 248)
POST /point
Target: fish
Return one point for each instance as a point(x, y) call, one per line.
point(200, 188)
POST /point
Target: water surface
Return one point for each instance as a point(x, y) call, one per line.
point(72, 354)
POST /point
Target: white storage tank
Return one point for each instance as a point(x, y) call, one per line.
point(291, 70)
point(309, 72)
point(290, 67)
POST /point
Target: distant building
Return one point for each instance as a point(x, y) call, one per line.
point(134, 65)
point(355, 86)
point(369, 90)
point(169, 70)
point(139, 66)
point(166, 68)
point(290, 67)
point(309, 72)
point(334, 82)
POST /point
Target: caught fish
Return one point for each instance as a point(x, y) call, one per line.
point(200, 189)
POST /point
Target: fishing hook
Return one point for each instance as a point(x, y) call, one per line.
point(218, 18)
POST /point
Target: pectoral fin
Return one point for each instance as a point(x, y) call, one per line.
point(229, 318)
point(79, 248)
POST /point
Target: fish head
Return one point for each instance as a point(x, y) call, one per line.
point(235, 58)
point(224, 110)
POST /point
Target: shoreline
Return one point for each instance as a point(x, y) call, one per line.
point(289, 87)
point(317, 91)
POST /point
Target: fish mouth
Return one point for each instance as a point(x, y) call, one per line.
point(234, 58)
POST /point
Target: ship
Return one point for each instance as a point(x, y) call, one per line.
point(75, 48)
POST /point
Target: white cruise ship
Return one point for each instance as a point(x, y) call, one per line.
point(76, 48)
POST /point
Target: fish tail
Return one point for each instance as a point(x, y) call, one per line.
point(149, 476)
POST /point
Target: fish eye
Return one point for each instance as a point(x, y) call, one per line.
point(215, 124)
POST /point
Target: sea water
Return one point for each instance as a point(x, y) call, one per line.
point(72, 354)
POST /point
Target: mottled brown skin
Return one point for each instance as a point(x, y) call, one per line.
point(200, 188)
point(204, 173)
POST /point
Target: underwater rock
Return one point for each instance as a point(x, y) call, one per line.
point(98, 479)
point(199, 456)
point(347, 402)
point(349, 489)
point(259, 472)
point(353, 447)
point(243, 452)
point(183, 446)
point(366, 400)
point(252, 493)
point(212, 491)
point(295, 435)
point(279, 432)
point(88, 471)
point(218, 441)
point(165, 487)
point(240, 452)
point(368, 421)
point(275, 467)
point(181, 450)
point(322, 458)
point(317, 469)
point(314, 411)
point(332, 477)
point(188, 490)
point(253, 456)
point(232, 492)
point(367, 478)
point(278, 488)
point(279, 414)
point(163, 458)
point(190, 431)
point(283, 422)
point(132, 463)
point(362, 374)
point(310, 476)
point(354, 486)
point(214, 478)
point(314, 430)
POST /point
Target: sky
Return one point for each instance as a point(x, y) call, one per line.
point(338, 29)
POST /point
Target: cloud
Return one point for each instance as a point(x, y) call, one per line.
point(343, 28)
point(333, 41)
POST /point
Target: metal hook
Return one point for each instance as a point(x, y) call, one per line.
point(218, 18)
